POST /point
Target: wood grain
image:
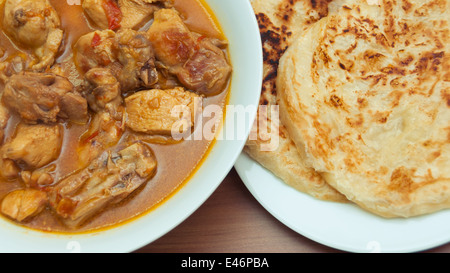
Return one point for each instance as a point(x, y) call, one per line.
point(232, 221)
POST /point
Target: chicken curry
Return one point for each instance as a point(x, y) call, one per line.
point(87, 99)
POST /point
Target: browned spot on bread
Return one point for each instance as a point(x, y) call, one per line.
point(407, 6)
point(445, 94)
point(336, 101)
point(372, 58)
point(355, 121)
point(321, 6)
point(362, 103)
point(396, 97)
point(429, 62)
point(401, 180)
point(381, 117)
point(433, 156)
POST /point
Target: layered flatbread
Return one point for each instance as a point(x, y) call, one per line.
point(365, 94)
point(270, 144)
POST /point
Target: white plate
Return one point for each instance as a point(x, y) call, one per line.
point(246, 56)
point(341, 226)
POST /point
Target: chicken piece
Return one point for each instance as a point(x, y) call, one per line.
point(73, 107)
point(34, 24)
point(33, 145)
point(198, 63)
point(4, 118)
point(9, 169)
point(14, 66)
point(44, 97)
point(95, 49)
point(207, 71)
point(105, 14)
point(116, 14)
point(23, 204)
point(107, 125)
point(137, 58)
point(135, 13)
point(108, 180)
point(95, 11)
point(103, 88)
point(48, 51)
point(128, 54)
point(172, 40)
point(161, 112)
point(26, 23)
point(37, 179)
point(104, 132)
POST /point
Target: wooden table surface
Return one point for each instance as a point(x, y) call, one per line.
point(232, 221)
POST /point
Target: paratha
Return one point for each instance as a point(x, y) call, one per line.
point(280, 21)
point(365, 93)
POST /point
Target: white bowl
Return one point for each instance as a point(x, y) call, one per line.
point(238, 22)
